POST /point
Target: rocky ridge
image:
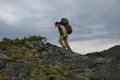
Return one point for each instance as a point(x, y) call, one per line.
point(39, 60)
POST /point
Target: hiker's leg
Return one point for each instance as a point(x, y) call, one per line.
point(61, 38)
point(66, 44)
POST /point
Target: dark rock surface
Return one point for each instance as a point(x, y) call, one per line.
point(38, 60)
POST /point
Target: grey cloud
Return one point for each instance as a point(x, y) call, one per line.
point(38, 17)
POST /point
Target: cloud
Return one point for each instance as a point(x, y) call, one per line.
point(89, 46)
point(91, 20)
point(7, 14)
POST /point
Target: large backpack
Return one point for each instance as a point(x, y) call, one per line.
point(64, 21)
point(68, 29)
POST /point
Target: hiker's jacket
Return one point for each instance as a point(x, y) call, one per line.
point(62, 31)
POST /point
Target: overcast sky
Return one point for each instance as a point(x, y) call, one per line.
point(96, 23)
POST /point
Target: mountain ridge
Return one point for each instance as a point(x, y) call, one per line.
point(36, 59)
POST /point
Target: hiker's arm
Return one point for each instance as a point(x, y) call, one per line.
point(60, 31)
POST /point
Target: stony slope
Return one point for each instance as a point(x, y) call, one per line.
point(38, 60)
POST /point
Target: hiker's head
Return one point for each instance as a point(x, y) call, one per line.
point(57, 24)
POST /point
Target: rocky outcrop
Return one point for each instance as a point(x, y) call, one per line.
point(38, 60)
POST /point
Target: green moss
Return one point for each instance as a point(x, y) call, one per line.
point(2, 76)
point(59, 70)
point(81, 76)
point(65, 68)
point(12, 78)
point(52, 77)
point(45, 68)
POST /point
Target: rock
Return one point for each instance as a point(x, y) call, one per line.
point(44, 61)
point(9, 50)
point(28, 44)
point(77, 76)
point(2, 64)
point(16, 70)
point(112, 52)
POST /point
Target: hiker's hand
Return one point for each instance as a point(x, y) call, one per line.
point(65, 36)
